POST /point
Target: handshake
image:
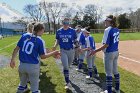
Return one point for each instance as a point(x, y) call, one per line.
point(92, 52)
point(56, 54)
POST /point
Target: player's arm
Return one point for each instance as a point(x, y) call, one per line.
point(56, 41)
point(55, 44)
point(43, 53)
point(106, 41)
point(14, 54)
point(44, 56)
point(86, 49)
point(76, 43)
point(101, 48)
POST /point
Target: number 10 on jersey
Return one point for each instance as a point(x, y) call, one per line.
point(28, 47)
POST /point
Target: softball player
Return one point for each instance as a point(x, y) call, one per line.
point(110, 48)
point(30, 47)
point(90, 45)
point(66, 37)
point(81, 41)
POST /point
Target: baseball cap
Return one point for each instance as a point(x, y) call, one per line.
point(108, 19)
point(84, 30)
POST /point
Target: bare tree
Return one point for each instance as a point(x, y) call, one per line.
point(135, 17)
point(68, 12)
point(117, 10)
point(55, 10)
point(34, 11)
point(21, 21)
point(44, 6)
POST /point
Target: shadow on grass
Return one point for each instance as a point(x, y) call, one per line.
point(45, 85)
point(42, 64)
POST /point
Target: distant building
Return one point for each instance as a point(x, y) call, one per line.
point(7, 20)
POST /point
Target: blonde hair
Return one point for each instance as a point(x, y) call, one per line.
point(30, 27)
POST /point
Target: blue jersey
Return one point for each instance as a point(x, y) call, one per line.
point(66, 38)
point(81, 38)
point(31, 47)
point(111, 38)
point(90, 42)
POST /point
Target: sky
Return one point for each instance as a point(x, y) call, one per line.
point(18, 4)
point(108, 6)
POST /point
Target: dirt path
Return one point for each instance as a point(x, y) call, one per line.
point(129, 58)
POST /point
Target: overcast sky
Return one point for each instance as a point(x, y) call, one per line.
point(108, 6)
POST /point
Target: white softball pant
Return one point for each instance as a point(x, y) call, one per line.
point(111, 63)
point(90, 60)
point(67, 57)
point(29, 72)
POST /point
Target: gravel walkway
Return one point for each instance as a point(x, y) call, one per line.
point(79, 82)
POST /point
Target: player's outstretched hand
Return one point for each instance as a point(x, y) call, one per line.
point(92, 53)
point(12, 64)
point(57, 54)
point(80, 50)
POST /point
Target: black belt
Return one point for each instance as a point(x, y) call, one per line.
point(67, 48)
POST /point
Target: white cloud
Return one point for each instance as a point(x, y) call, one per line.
point(7, 13)
point(108, 6)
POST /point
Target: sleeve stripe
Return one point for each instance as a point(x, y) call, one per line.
point(105, 37)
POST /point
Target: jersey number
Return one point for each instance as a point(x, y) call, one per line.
point(65, 39)
point(28, 47)
point(116, 37)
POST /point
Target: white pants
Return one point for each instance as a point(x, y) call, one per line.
point(111, 63)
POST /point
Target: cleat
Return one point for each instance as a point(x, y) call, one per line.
point(88, 77)
point(104, 91)
point(67, 86)
point(116, 91)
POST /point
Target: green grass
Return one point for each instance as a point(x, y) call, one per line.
point(129, 81)
point(52, 79)
point(123, 37)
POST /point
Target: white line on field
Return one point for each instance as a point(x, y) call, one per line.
point(8, 46)
point(130, 59)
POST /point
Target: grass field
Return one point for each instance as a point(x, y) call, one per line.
point(123, 36)
point(51, 79)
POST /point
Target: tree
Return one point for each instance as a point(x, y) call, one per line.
point(88, 21)
point(21, 21)
point(76, 20)
point(91, 15)
point(123, 21)
point(55, 10)
point(91, 10)
point(34, 11)
point(44, 6)
point(135, 17)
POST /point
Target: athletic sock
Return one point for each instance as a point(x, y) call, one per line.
point(66, 75)
point(21, 87)
point(90, 72)
point(117, 81)
point(80, 65)
point(109, 83)
point(35, 92)
point(95, 70)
